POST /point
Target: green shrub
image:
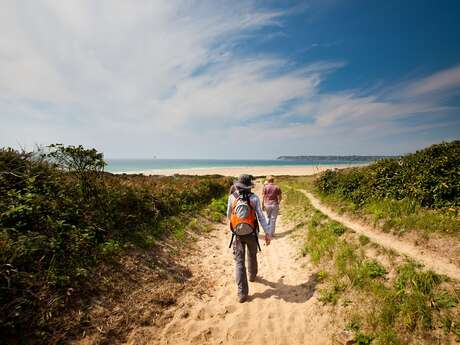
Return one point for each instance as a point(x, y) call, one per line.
point(218, 208)
point(110, 248)
point(429, 177)
point(61, 216)
point(363, 339)
point(372, 269)
point(321, 275)
point(337, 228)
point(363, 240)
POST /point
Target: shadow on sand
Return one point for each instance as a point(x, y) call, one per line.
point(284, 233)
point(278, 235)
point(289, 293)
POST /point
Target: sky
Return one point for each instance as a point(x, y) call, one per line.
point(230, 79)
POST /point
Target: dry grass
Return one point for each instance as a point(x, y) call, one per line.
point(138, 289)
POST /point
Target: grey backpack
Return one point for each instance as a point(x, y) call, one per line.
point(243, 219)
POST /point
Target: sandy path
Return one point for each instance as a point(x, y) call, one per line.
point(282, 307)
point(431, 260)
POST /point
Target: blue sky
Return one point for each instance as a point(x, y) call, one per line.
point(230, 79)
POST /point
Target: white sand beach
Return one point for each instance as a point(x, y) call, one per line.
point(253, 170)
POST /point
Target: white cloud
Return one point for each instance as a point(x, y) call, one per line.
point(349, 108)
point(120, 55)
point(241, 90)
point(135, 77)
point(442, 81)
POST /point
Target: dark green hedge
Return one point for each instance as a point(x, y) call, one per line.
point(431, 177)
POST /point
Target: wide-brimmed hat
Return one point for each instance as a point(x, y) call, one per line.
point(244, 182)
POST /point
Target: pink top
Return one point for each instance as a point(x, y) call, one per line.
point(272, 194)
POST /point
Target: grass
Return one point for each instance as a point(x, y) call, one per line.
point(398, 216)
point(331, 294)
point(410, 306)
point(404, 215)
point(321, 240)
point(296, 204)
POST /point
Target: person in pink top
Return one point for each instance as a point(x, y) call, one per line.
point(271, 196)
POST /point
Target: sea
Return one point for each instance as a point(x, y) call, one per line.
point(133, 165)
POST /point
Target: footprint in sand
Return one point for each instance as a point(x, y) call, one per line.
point(230, 309)
point(203, 313)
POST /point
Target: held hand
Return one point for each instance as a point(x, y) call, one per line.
point(267, 239)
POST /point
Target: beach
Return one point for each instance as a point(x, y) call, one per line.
point(299, 170)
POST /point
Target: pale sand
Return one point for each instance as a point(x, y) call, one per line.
point(253, 170)
point(283, 306)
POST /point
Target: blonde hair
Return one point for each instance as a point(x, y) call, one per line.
point(270, 179)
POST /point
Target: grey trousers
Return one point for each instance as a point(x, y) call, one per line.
point(239, 253)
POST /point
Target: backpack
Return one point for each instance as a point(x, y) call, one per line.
point(243, 220)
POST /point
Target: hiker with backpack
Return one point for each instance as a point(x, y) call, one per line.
point(245, 213)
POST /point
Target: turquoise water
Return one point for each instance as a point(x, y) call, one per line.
point(119, 165)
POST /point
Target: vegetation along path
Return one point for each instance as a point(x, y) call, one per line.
point(431, 260)
point(283, 307)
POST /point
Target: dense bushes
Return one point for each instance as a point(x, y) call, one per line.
point(60, 215)
point(430, 177)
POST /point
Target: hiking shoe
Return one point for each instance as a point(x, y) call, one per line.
point(242, 298)
point(252, 279)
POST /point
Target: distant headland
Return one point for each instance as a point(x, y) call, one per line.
point(329, 159)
